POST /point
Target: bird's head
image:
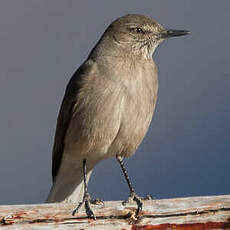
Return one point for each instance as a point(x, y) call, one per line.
point(139, 35)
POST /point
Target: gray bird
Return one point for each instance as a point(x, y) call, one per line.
point(107, 108)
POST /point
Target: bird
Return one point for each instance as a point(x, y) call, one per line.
point(107, 108)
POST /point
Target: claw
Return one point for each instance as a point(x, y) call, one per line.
point(89, 211)
point(97, 202)
point(148, 197)
point(139, 204)
point(77, 208)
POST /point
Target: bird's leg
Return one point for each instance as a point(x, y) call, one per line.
point(133, 195)
point(86, 198)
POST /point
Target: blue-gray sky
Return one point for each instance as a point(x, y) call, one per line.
point(187, 149)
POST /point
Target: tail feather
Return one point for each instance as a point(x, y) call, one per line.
point(68, 185)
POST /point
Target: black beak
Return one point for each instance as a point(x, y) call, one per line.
point(173, 33)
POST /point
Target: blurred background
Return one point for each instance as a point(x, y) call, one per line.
point(187, 149)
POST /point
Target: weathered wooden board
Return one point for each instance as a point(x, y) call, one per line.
point(181, 213)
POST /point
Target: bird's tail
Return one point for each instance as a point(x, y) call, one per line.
point(68, 185)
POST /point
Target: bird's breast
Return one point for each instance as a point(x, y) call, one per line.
point(140, 94)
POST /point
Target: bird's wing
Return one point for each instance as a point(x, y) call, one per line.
point(64, 118)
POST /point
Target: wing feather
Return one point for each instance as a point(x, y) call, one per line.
point(64, 118)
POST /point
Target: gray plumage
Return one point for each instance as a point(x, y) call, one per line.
point(108, 103)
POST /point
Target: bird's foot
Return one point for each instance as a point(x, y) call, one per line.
point(134, 197)
point(96, 201)
point(130, 199)
point(86, 200)
point(148, 197)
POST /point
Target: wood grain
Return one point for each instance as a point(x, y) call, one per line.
point(182, 213)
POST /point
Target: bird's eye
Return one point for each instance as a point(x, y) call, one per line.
point(139, 30)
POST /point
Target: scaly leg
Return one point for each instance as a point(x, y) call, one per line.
point(86, 198)
point(133, 195)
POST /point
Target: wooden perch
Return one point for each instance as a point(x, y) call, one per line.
point(182, 213)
